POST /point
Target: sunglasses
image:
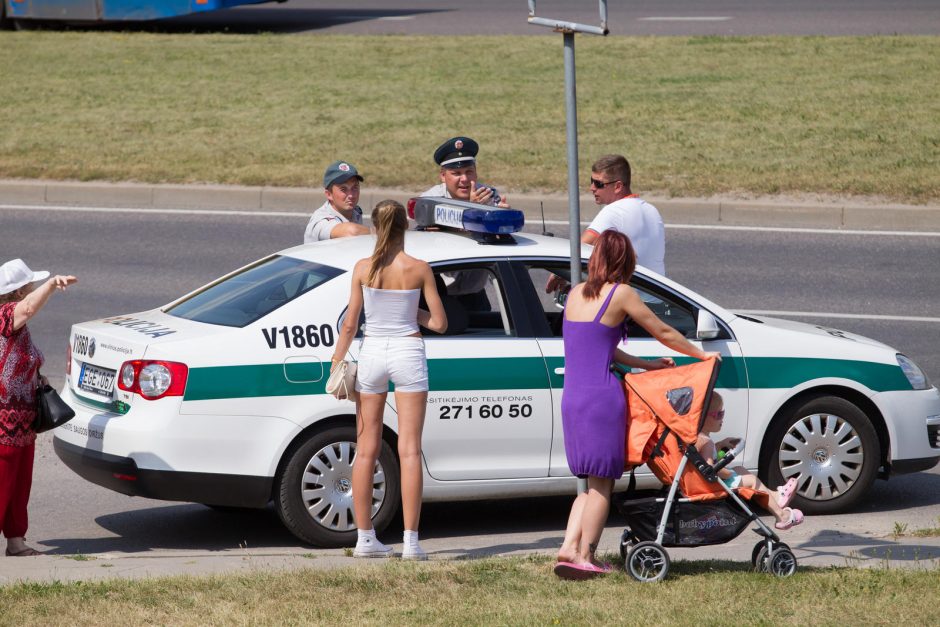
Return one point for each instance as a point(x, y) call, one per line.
point(602, 184)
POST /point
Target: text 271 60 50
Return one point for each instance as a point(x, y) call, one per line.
point(513, 410)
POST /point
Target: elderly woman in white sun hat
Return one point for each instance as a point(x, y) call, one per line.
point(21, 297)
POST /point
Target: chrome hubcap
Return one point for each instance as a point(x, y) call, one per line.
point(326, 487)
point(824, 453)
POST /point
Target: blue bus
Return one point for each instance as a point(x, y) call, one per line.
point(17, 12)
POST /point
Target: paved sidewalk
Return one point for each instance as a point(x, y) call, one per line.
point(849, 540)
point(816, 548)
point(706, 211)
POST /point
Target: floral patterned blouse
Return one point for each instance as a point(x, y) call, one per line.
point(19, 376)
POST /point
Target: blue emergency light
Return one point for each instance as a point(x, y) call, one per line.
point(490, 225)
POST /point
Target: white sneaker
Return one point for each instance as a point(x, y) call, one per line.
point(413, 552)
point(371, 547)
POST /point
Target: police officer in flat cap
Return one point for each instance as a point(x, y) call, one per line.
point(457, 159)
point(340, 215)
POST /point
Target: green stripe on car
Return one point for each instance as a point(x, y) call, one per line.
point(528, 373)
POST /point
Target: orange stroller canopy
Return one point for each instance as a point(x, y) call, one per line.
point(674, 398)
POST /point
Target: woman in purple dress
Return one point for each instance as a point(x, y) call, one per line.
point(593, 403)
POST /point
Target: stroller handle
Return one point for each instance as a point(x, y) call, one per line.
point(724, 461)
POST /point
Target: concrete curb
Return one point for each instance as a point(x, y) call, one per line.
point(705, 211)
point(820, 549)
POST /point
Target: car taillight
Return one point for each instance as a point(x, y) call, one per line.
point(68, 360)
point(153, 379)
point(411, 208)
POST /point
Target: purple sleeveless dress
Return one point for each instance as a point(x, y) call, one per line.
point(593, 404)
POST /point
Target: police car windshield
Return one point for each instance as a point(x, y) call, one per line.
point(254, 292)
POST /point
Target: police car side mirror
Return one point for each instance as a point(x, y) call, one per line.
point(707, 326)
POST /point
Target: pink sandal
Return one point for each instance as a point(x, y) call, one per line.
point(569, 570)
point(786, 492)
point(795, 517)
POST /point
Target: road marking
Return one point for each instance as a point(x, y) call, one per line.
point(820, 314)
point(770, 229)
point(703, 18)
point(532, 221)
point(787, 229)
point(197, 212)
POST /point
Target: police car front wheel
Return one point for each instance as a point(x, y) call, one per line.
point(313, 494)
point(830, 446)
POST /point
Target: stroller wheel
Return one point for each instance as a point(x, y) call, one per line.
point(760, 556)
point(755, 553)
point(647, 562)
point(782, 562)
point(761, 545)
point(626, 541)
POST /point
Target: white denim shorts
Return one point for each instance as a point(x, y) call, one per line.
point(401, 360)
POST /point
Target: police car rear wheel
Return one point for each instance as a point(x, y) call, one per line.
point(314, 489)
point(830, 446)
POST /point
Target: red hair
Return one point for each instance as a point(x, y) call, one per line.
point(613, 261)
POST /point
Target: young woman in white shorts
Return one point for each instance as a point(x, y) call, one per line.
point(388, 286)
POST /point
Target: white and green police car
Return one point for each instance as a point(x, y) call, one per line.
point(218, 397)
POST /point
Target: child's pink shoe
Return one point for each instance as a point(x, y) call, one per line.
point(786, 492)
point(794, 518)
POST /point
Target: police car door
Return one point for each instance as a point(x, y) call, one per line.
point(489, 406)
point(673, 308)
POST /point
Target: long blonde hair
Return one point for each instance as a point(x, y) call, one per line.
point(390, 222)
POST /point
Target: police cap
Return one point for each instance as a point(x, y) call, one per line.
point(456, 152)
point(339, 172)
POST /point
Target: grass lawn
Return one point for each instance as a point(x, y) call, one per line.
point(501, 591)
point(696, 116)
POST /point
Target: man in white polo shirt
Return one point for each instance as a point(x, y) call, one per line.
point(626, 213)
point(340, 215)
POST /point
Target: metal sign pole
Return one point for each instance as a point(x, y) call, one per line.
point(568, 29)
point(571, 125)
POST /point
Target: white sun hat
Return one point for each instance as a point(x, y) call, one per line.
point(15, 274)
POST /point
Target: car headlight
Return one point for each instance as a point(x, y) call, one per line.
point(914, 374)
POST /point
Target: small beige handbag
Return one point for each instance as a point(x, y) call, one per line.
point(342, 381)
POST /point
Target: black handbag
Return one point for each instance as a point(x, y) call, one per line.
point(51, 410)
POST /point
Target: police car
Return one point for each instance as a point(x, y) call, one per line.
point(218, 398)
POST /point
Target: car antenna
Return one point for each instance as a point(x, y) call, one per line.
point(544, 232)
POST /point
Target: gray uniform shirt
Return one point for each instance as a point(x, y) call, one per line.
point(440, 191)
point(324, 220)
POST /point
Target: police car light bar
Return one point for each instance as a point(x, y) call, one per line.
point(488, 224)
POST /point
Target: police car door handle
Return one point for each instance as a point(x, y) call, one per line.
point(560, 371)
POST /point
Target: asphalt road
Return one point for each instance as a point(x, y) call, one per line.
point(131, 262)
point(636, 17)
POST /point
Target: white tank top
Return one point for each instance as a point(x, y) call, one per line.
point(390, 313)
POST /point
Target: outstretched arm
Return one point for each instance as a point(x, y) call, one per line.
point(348, 229)
point(665, 334)
point(632, 361)
point(34, 301)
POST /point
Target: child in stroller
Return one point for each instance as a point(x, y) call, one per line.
point(668, 409)
point(739, 475)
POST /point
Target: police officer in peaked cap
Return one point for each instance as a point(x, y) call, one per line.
point(457, 160)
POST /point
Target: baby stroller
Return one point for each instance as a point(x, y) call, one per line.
point(667, 409)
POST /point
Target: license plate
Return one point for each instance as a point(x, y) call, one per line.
point(96, 379)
